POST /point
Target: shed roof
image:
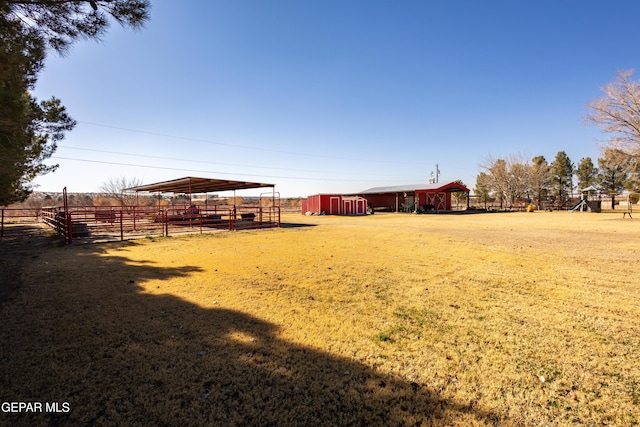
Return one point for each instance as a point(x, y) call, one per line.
point(452, 186)
point(191, 185)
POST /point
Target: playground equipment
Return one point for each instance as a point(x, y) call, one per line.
point(578, 205)
point(589, 201)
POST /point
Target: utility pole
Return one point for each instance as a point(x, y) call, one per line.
point(432, 180)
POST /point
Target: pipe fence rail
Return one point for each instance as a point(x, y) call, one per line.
point(96, 223)
point(15, 216)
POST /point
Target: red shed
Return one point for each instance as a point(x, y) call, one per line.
point(413, 198)
point(334, 204)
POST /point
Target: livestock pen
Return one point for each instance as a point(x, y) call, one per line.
point(125, 222)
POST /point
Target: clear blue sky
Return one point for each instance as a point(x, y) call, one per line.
point(336, 96)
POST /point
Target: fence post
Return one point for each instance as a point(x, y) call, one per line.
point(69, 228)
point(2, 224)
point(121, 230)
point(166, 222)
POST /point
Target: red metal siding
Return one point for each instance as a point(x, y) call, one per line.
point(441, 200)
point(322, 203)
point(314, 203)
point(354, 206)
point(348, 207)
point(334, 204)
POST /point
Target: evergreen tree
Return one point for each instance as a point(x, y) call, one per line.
point(483, 189)
point(460, 196)
point(586, 173)
point(59, 23)
point(561, 178)
point(29, 130)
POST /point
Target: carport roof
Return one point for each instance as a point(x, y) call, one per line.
point(191, 185)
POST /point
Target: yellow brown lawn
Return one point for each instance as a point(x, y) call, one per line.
point(515, 319)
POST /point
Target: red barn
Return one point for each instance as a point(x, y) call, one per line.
point(334, 204)
point(413, 198)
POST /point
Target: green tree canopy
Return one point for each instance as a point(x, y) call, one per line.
point(586, 172)
point(561, 178)
point(30, 129)
point(60, 23)
point(483, 188)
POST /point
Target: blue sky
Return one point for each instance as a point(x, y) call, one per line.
point(335, 96)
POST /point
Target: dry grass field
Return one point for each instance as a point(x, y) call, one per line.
point(521, 319)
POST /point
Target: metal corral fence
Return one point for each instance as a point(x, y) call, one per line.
point(96, 223)
point(10, 216)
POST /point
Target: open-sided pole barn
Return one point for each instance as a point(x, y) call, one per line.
point(413, 198)
point(266, 214)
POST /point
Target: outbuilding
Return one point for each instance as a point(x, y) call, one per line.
point(414, 198)
point(334, 204)
point(401, 198)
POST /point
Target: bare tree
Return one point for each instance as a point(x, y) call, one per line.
point(509, 178)
point(613, 172)
point(539, 179)
point(115, 188)
point(618, 112)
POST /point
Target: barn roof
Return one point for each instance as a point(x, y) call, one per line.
point(191, 185)
point(451, 186)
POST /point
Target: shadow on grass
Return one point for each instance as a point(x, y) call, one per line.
point(83, 332)
point(17, 243)
point(295, 225)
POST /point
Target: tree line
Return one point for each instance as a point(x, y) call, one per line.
point(617, 112)
point(515, 178)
